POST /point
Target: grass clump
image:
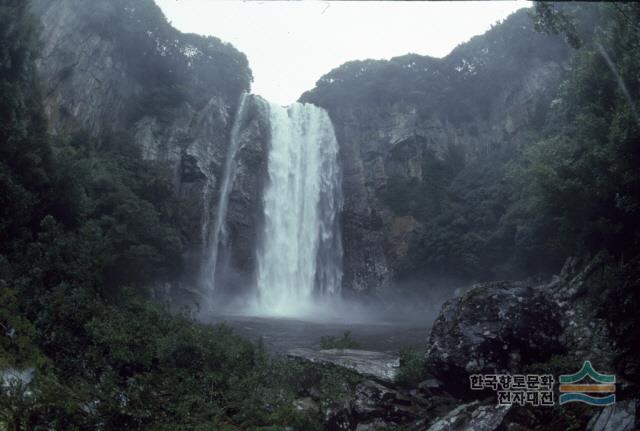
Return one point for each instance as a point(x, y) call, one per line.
point(344, 342)
point(412, 370)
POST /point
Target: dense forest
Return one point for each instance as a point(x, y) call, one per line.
point(561, 187)
point(86, 225)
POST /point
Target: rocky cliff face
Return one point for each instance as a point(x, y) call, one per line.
point(418, 124)
point(112, 68)
point(410, 130)
point(195, 145)
point(237, 259)
point(86, 83)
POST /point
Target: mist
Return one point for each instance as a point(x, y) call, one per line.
point(319, 215)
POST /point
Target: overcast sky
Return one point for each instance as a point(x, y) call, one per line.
point(291, 44)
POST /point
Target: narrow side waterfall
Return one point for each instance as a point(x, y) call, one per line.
point(219, 232)
point(299, 259)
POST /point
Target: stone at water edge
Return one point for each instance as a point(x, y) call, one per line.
point(382, 366)
point(431, 383)
point(472, 416)
point(376, 403)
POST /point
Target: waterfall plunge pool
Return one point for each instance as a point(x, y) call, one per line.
point(280, 334)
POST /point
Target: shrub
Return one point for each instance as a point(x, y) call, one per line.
point(344, 342)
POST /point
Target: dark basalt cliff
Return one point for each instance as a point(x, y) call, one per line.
point(119, 68)
point(424, 141)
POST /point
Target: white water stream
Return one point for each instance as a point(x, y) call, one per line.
point(299, 255)
point(299, 251)
point(218, 234)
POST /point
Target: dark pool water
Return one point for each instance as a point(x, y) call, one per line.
point(282, 334)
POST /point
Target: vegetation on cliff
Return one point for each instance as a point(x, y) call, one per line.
point(460, 85)
point(468, 204)
point(83, 226)
point(566, 185)
point(172, 67)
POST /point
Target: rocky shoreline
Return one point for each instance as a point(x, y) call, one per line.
point(494, 328)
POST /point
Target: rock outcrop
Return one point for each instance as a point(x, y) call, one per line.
point(621, 416)
point(521, 328)
point(245, 208)
point(381, 366)
point(381, 404)
point(504, 326)
point(494, 328)
point(195, 146)
point(472, 416)
point(377, 401)
point(110, 68)
point(86, 82)
point(376, 406)
point(410, 126)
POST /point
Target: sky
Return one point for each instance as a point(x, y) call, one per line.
point(291, 44)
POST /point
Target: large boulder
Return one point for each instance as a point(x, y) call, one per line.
point(493, 328)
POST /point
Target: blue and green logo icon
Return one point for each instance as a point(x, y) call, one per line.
point(571, 390)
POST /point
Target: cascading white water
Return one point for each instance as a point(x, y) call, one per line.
point(300, 253)
point(218, 233)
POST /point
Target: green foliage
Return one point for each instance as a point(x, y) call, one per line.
point(575, 189)
point(422, 198)
point(460, 86)
point(171, 66)
point(464, 236)
point(344, 342)
point(584, 174)
point(412, 370)
point(573, 416)
point(79, 220)
point(25, 157)
point(17, 342)
point(134, 366)
point(473, 221)
point(549, 19)
point(619, 302)
point(572, 186)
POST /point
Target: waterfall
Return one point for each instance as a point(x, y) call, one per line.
point(218, 234)
point(299, 258)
